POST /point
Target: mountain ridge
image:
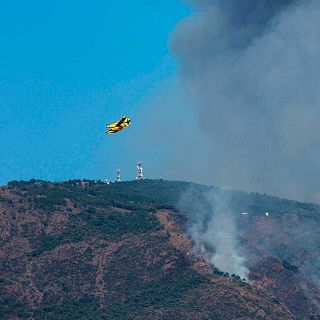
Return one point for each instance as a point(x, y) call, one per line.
point(87, 250)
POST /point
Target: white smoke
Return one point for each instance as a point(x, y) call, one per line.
point(213, 231)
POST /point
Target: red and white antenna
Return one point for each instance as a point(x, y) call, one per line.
point(139, 171)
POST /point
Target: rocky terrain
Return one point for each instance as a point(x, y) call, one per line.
point(87, 250)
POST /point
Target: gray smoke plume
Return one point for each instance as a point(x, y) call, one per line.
point(213, 231)
point(251, 70)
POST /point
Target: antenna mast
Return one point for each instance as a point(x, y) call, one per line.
point(139, 171)
point(118, 177)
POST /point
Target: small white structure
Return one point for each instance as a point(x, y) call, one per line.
point(267, 214)
point(107, 181)
point(118, 177)
point(244, 213)
point(139, 171)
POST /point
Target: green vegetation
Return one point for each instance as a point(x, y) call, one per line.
point(125, 253)
point(147, 195)
point(85, 308)
point(114, 225)
point(152, 296)
point(106, 225)
point(290, 266)
point(13, 306)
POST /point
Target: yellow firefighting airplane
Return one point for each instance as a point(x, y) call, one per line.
point(118, 126)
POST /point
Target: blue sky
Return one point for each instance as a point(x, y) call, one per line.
point(69, 67)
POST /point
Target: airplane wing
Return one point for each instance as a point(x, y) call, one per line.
point(113, 130)
point(113, 125)
point(116, 124)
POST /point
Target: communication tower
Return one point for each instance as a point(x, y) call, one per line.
point(118, 177)
point(139, 171)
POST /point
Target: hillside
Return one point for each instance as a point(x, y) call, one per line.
point(86, 250)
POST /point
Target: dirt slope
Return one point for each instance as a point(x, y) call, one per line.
point(85, 250)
